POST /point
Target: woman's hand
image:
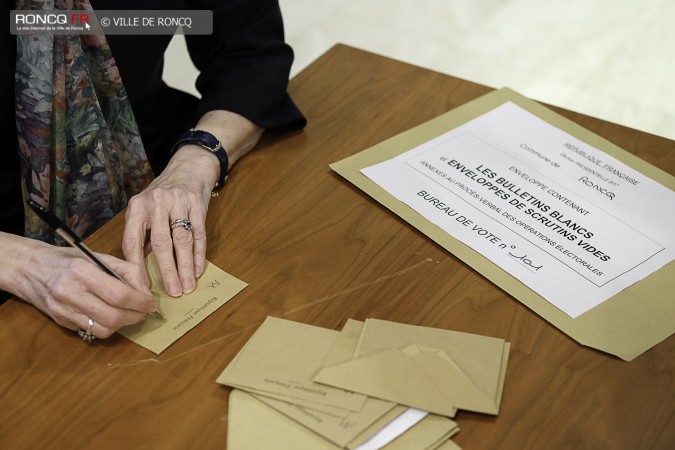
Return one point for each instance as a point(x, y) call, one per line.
point(72, 290)
point(181, 191)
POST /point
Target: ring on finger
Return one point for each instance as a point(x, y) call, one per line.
point(87, 336)
point(183, 223)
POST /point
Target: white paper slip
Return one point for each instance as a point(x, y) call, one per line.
point(572, 223)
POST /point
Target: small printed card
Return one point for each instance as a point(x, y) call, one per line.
point(179, 315)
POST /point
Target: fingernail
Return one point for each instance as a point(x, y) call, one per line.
point(198, 270)
point(188, 286)
point(174, 290)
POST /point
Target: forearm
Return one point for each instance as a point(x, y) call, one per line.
point(24, 255)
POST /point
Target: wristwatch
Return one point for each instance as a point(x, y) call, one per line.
point(209, 142)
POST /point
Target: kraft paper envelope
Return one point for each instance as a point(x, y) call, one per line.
point(426, 368)
point(429, 434)
point(344, 347)
point(335, 429)
point(326, 409)
point(281, 357)
point(626, 325)
point(253, 426)
point(214, 288)
point(341, 430)
point(331, 411)
point(376, 427)
point(483, 359)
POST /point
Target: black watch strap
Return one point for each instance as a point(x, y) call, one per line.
point(208, 142)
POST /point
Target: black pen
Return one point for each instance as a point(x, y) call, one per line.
point(72, 239)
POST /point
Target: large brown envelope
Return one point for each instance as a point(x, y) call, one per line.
point(431, 369)
point(627, 325)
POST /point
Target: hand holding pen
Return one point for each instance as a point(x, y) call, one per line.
point(81, 290)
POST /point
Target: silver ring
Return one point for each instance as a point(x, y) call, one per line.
point(183, 223)
point(87, 335)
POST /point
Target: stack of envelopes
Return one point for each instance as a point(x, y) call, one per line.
point(373, 385)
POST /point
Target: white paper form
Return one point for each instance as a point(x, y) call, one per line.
point(571, 222)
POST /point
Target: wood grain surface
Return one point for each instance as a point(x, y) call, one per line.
point(314, 249)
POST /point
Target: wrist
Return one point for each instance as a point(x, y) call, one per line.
point(236, 133)
point(199, 165)
point(16, 272)
point(211, 144)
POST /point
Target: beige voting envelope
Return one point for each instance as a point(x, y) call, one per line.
point(626, 325)
point(338, 430)
point(429, 433)
point(214, 288)
point(344, 346)
point(252, 425)
point(427, 368)
point(325, 409)
point(332, 411)
point(376, 427)
point(281, 357)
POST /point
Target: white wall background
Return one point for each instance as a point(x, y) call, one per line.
point(612, 59)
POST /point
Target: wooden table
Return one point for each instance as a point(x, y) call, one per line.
point(317, 250)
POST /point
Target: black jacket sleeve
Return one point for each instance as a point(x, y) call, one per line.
point(244, 65)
